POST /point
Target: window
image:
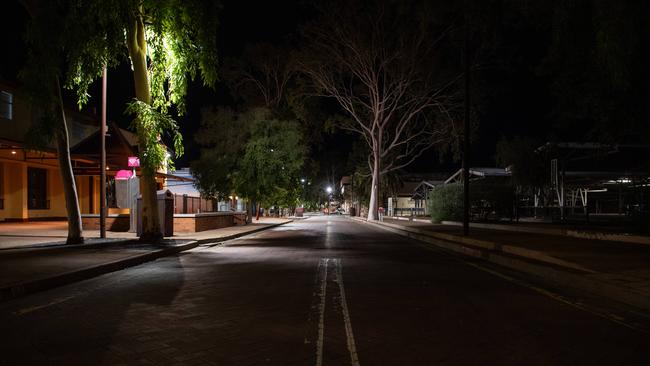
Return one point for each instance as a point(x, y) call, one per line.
point(2, 188)
point(6, 105)
point(37, 189)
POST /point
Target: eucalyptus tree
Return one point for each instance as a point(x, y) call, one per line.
point(167, 43)
point(261, 75)
point(41, 75)
point(380, 65)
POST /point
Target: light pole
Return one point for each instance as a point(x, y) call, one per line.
point(329, 196)
point(102, 164)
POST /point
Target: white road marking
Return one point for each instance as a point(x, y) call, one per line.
point(354, 358)
point(322, 269)
point(611, 317)
point(30, 309)
point(340, 302)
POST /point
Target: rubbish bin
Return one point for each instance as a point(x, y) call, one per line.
point(353, 211)
point(165, 200)
point(299, 211)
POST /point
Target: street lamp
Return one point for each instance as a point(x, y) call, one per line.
point(329, 196)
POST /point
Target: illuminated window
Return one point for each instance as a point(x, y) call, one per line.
point(6, 105)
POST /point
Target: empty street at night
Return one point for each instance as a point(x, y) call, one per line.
point(326, 290)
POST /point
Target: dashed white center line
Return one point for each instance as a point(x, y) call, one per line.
point(352, 348)
point(322, 269)
point(340, 302)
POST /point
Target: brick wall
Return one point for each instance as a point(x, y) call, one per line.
point(113, 223)
point(182, 223)
point(206, 221)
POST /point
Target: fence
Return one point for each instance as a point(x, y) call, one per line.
point(184, 204)
point(408, 211)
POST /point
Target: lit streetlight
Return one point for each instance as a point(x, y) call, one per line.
point(329, 196)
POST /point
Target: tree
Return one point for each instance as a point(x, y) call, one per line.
point(41, 74)
point(526, 164)
point(251, 153)
point(380, 66)
point(261, 76)
point(167, 42)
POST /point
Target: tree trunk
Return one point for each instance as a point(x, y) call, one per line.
point(374, 193)
point(137, 45)
point(249, 212)
point(257, 214)
point(75, 229)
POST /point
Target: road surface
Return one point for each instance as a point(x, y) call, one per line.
point(321, 291)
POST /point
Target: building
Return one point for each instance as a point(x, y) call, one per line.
point(188, 199)
point(401, 202)
point(594, 181)
point(421, 195)
point(30, 186)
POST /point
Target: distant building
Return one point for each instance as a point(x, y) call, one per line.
point(421, 195)
point(188, 199)
point(401, 202)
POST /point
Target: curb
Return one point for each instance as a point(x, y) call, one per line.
point(239, 235)
point(575, 233)
point(50, 247)
point(493, 247)
point(547, 273)
point(29, 287)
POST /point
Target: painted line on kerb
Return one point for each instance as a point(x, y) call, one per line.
point(322, 269)
point(354, 358)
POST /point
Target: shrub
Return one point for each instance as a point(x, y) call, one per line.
point(446, 203)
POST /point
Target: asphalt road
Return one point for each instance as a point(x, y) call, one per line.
point(322, 291)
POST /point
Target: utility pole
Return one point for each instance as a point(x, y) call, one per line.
point(466, 133)
point(102, 168)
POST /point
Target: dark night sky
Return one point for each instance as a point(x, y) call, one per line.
point(512, 97)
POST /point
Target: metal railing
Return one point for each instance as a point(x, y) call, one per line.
point(408, 211)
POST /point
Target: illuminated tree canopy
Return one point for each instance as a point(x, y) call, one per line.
point(167, 42)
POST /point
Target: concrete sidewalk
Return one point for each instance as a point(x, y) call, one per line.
point(36, 268)
point(51, 233)
point(617, 270)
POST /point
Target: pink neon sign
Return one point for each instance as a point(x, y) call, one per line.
point(134, 161)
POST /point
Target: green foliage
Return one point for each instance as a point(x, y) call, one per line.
point(446, 203)
point(222, 135)
point(75, 40)
point(151, 125)
point(181, 41)
point(488, 199)
point(252, 153)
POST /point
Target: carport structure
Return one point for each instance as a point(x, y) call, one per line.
point(596, 180)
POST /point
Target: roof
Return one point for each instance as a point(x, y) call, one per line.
point(118, 149)
point(181, 182)
point(589, 146)
point(406, 189)
point(129, 136)
point(481, 173)
point(421, 190)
